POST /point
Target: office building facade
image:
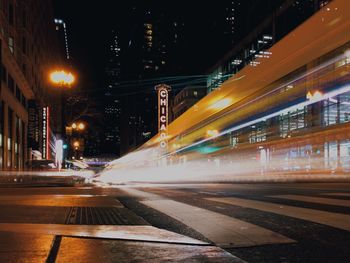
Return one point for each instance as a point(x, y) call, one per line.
point(29, 110)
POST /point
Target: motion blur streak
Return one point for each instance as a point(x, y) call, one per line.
point(286, 117)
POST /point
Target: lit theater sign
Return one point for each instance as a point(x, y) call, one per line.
point(45, 137)
point(163, 110)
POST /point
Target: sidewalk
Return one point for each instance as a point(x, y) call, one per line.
point(33, 179)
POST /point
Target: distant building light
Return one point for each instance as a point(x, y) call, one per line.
point(254, 63)
point(267, 37)
point(236, 62)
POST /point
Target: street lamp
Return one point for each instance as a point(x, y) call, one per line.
point(76, 145)
point(81, 126)
point(78, 126)
point(62, 78)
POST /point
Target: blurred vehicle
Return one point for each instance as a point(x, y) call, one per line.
point(75, 165)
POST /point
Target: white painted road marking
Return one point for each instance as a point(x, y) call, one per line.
point(223, 230)
point(317, 200)
point(336, 220)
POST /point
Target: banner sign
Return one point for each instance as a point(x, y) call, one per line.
point(45, 142)
point(33, 125)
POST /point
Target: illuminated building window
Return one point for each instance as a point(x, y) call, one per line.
point(290, 121)
point(148, 26)
point(258, 133)
point(323, 3)
point(336, 110)
point(330, 112)
point(11, 45)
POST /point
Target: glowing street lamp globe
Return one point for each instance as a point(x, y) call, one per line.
point(81, 126)
point(62, 77)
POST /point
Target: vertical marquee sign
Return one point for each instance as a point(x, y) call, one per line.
point(33, 125)
point(46, 119)
point(163, 112)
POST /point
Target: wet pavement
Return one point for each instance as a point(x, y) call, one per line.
point(315, 240)
point(85, 224)
point(17, 247)
point(282, 223)
point(97, 250)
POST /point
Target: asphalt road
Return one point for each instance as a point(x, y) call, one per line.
point(295, 222)
point(177, 222)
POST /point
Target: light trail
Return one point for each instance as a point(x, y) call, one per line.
point(269, 116)
point(280, 87)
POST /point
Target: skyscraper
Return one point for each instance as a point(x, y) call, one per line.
point(148, 53)
point(231, 20)
point(112, 103)
point(61, 29)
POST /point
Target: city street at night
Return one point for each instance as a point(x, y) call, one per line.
point(175, 131)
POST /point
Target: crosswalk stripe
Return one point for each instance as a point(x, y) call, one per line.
point(336, 220)
point(317, 200)
point(337, 194)
point(223, 230)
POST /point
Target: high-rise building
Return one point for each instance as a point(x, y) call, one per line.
point(61, 28)
point(231, 20)
point(272, 21)
point(112, 103)
point(29, 109)
point(149, 52)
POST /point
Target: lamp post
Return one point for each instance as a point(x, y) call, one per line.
point(62, 79)
point(77, 139)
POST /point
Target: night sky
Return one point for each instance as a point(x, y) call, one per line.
point(90, 23)
point(204, 43)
